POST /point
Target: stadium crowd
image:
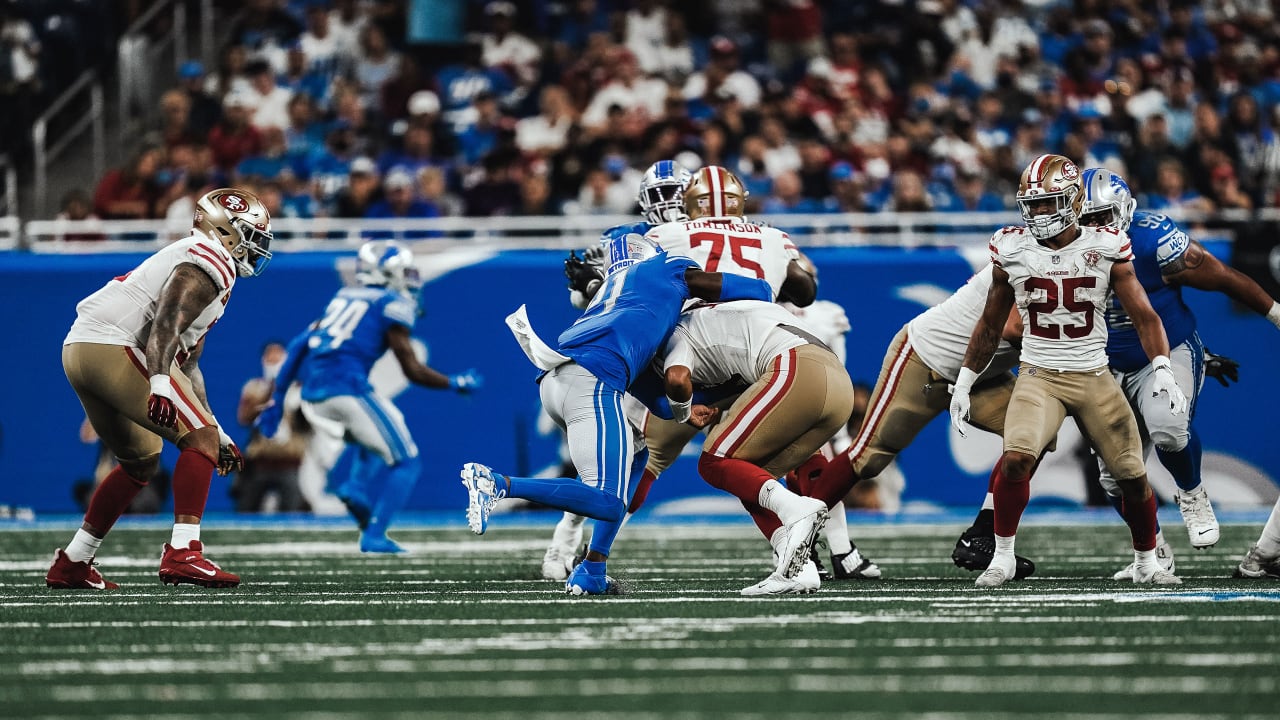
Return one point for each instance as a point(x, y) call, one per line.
point(325, 109)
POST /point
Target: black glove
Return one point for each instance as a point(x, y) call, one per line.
point(1221, 368)
point(580, 273)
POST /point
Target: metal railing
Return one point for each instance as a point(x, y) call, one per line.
point(44, 153)
point(139, 61)
point(9, 192)
point(10, 232)
point(909, 230)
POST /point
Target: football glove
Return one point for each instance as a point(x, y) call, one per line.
point(581, 272)
point(466, 382)
point(1221, 368)
point(229, 459)
point(160, 407)
point(1165, 382)
point(960, 402)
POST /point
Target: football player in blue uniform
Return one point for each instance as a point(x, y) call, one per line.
point(1166, 259)
point(331, 360)
point(584, 386)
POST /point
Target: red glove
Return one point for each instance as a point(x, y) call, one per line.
point(160, 407)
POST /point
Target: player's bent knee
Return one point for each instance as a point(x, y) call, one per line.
point(141, 470)
point(1170, 440)
point(1016, 466)
point(204, 440)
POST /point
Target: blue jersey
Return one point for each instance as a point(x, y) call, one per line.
point(1157, 242)
point(343, 346)
point(629, 319)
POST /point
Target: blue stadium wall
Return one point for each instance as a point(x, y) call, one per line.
point(41, 455)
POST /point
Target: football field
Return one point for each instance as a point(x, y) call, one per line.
point(463, 628)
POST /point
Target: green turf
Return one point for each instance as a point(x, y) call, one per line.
point(463, 628)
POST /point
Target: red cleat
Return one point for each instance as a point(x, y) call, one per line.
point(66, 574)
point(189, 565)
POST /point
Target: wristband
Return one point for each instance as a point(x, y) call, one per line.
point(1274, 315)
point(1161, 362)
point(965, 379)
point(162, 385)
point(680, 411)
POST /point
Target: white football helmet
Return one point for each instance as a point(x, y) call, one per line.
point(1050, 177)
point(383, 263)
point(1108, 202)
point(661, 195)
point(237, 219)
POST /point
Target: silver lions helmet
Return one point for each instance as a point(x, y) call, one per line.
point(661, 195)
point(1108, 202)
point(384, 263)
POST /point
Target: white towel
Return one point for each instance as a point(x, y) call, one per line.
point(539, 353)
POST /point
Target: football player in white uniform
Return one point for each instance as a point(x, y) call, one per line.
point(1060, 276)
point(800, 396)
point(132, 357)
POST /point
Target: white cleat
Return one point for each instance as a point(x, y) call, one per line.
point(800, 536)
point(1001, 570)
point(805, 582)
point(1197, 515)
point(482, 495)
point(557, 562)
point(1256, 566)
point(1154, 575)
point(1164, 556)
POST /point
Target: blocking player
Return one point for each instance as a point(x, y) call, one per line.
point(1165, 260)
point(332, 359)
point(132, 357)
point(585, 383)
point(1059, 274)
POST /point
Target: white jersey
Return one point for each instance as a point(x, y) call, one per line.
point(1062, 294)
point(940, 335)
point(736, 339)
point(121, 312)
point(827, 320)
point(730, 245)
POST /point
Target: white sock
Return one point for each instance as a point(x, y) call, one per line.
point(989, 503)
point(83, 547)
point(836, 531)
point(1004, 546)
point(1269, 541)
point(183, 534)
point(788, 506)
point(1144, 558)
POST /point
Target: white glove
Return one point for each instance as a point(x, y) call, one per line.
point(960, 400)
point(1164, 381)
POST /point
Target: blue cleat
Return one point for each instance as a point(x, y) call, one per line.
point(370, 543)
point(359, 509)
point(588, 578)
point(483, 494)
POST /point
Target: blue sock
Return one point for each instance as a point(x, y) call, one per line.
point(1117, 502)
point(1184, 464)
point(593, 568)
point(365, 469)
point(398, 484)
point(606, 531)
point(568, 494)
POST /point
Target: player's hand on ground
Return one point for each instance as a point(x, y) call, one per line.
point(1221, 368)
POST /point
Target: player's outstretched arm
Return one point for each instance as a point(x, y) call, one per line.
point(1198, 268)
point(400, 341)
point(982, 346)
point(715, 287)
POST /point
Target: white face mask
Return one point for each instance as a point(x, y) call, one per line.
point(271, 370)
point(877, 168)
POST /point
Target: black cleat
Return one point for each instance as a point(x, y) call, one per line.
point(816, 559)
point(975, 549)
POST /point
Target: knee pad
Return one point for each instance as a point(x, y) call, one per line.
point(1170, 440)
point(141, 470)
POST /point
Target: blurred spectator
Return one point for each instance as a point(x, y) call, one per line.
point(1151, 147)
point(497, 190)
point(182, 208)
point(269, 163)
point(788, 197)
point(460, 84)
point(304, 136)
point(265, 30)
point(753, 171)
point(329, 169)
point(723, 76)
point(76, 207)
point(547, 132)
point(971, 193)
point(319, 43)
point(846, 188)
point(1171, 191)
point(644, 30)
point(1257, 148)
point(269, 101)
point(365, 134)
point(477, 139)
point(535, 196)
point(347, 20)
point(1226, 193)
point(1179, 106)
point(233, 138)
point(376, 64)
point(780, 154)
point(583, 19)
point(19, 80)
point(203, 110)
point(360, 191)
point(415, 154)
point(814, 170)
point(433, 189)
point(299, 80)
point(794, 34)
point(129, 192)
point(908, 193)
point(229, 76)
point(399, 199)
point(296, 199)
point(175, 119)
point(641, 98)
point(677, 51)
point(508, 51)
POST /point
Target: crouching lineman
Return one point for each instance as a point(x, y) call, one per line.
point(132, 357)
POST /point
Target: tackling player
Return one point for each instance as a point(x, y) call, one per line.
point(332, 360)
point(1060, 276)
point(132, 357)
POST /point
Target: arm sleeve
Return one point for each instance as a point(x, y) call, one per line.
point(736, 287)
point(295, 352)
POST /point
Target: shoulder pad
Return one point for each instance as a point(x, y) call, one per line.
point(214, 260)
point(639, 228)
